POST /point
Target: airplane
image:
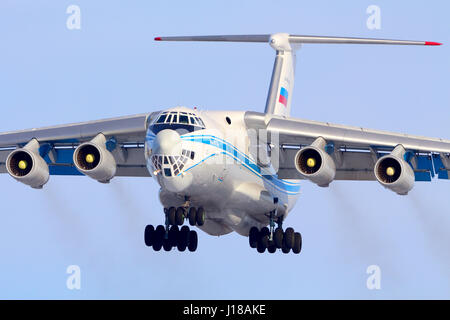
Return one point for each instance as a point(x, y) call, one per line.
point(229, 171)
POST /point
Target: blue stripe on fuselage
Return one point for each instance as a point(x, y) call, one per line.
point(232, 151)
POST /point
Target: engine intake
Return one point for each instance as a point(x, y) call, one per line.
point(389, 170)
point(94, 160)
point(88, 157)
point(309, 161)
point(394, 173)
point(315, 164)
point(27, 166)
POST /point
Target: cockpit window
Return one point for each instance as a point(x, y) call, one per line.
point(162, 118)
point(182, 122)
point(201, 122)
point(183, 119)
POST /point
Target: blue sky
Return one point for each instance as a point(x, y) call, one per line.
point(111, 67)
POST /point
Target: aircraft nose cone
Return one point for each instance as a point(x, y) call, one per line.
point(167, 142)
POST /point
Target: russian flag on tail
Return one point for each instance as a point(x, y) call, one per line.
point(283, 96)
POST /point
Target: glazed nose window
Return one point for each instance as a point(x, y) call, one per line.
point(157, 162)
point(167, 172)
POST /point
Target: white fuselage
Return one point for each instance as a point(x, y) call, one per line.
point(219, 171)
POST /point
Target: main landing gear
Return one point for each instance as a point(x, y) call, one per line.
point(170, 235)
point(273, 239)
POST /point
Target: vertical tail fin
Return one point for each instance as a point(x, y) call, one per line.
point(283, 75)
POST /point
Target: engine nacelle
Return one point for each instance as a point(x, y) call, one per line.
point(27, 166)
point(395, 173)
point(94, 160)
point(315, 164)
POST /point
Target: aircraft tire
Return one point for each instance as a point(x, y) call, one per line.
point(289, 238)
point(193, 241)
point(148, 235)
point(297, 248)
point(285, 248)
point(192, 216)
point(173, 235)
point(167, 244)
point(264, 232)
point(179, 216)
point(171, 212)
point(200, 216)
point(260, 248)
point(183, 238)
point(253, 237)
point(278, 238)
point(272, 248)
point(158, 238)
point(264, 241)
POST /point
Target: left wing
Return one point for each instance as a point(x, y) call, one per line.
point(125, 137)
point(354, 150)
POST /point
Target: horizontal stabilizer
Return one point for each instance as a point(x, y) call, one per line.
point(297, 39)
point(279, 97)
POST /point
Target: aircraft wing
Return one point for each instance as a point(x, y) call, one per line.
point(126, 135)
point(354, 150)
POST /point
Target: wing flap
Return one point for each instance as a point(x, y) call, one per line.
point(442, 165)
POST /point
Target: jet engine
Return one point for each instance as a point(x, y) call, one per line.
point(395, 173)
point(315, 164)
point(27, 166)
point(94, 160)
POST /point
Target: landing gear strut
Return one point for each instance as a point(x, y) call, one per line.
point(169, 235)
